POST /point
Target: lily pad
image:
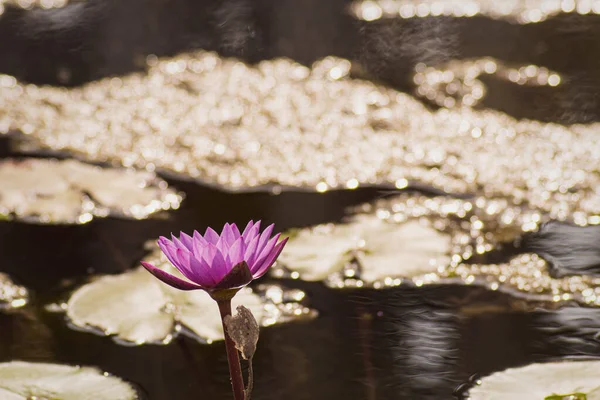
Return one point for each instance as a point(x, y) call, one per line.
point(572, 380)
point(25, 381)
point(520, 12)
point(367, 250)
point(479, 225)
point(30, 4)
point(137, 308)
point(71, 192)
point(11, 294)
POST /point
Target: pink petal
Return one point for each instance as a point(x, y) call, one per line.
point(264, 253)
point(168, 249)
point(178, 243)
point(236, 252)
point(228, 236)
point(222, 245)
point(249, 254)
point(269, 260)
point(169, 279)
point(253, 232)
point(264, 237)
point(199, 249)
point(203, 275)
point(198, 240)
point(183, 263)
point(183, 260)
point(219, 266)
point(236, 231)
point(211, 236)
point(186, 240)
point(249, 227)
point(208, 253)
point(183, 257)
point(164, 240)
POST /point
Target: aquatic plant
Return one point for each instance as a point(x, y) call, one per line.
point(20, 380)
point(221, 265)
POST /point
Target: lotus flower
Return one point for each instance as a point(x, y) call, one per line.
point(216, 262)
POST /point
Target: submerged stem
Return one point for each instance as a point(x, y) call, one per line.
point(235, 369)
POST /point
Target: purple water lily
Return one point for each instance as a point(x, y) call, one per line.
point(216, 262)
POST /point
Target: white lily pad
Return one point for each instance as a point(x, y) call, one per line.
point(480, 225)
point(25, 381)
point(367, 250)
point(33, 4)
point(11, 294)
point(137, 308)
point(316, 253)
point(542, 381)
point(71, 192)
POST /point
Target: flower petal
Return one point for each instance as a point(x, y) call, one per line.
point(236, 231)
point(270, 260)
point(249, 254)
point(265, 252)
point(186, 240)
point(219, 265)
point(169, 279)
point(177, 242)
point(199, 249)
point(184, 263)
point(183, 256)
point(236, 252)
point(248, 227)
point(211, 236)
point(222, 245)
point(203, 275)
point(168, 249)
point(264, 238)
point(208, 253)
point(198, 241)
point(252, 232)
point(227, 236)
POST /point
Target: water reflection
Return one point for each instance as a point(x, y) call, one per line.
point(569, 331)
point(396, 343)
point(24, 335)
point(415, 345)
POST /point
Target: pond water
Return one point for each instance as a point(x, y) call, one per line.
point(395, 343)
point(405, 343)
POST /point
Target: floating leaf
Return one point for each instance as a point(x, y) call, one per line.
point(557, 380)
point(479, 225)
point(316, 253)
point(367, 250)
point(11, 294)
point(31, 4)
point(138, 309)
point(71, 192)
point(520, 12)
point(24, 381)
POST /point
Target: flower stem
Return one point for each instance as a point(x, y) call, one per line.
point(235, 370)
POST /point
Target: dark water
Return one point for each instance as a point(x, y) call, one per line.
point(391, 344)
point(398, 343)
